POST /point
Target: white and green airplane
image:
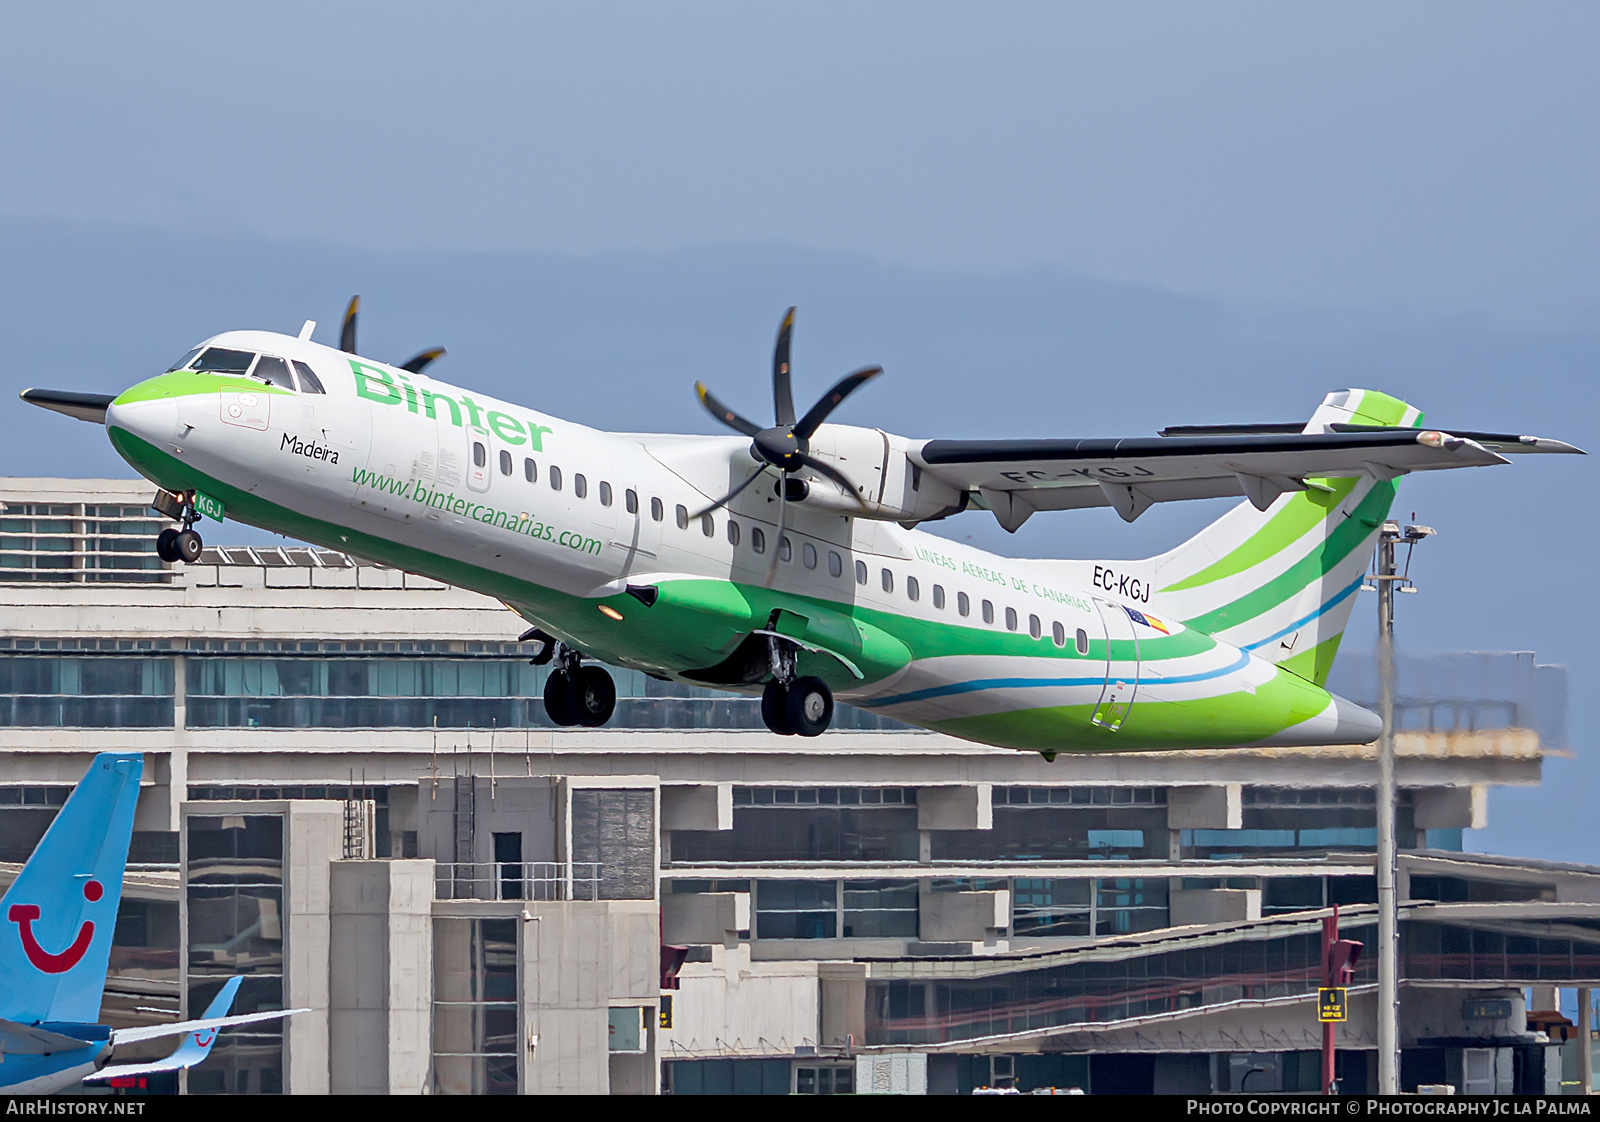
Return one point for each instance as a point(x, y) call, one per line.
point(786, 560)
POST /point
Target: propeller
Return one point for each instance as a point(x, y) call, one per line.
point(786, 445)
point(347, 341)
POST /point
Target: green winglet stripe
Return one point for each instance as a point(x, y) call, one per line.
point(1314, 663)
point(1350, 534)
point(1381, 409)
point(1299, 516)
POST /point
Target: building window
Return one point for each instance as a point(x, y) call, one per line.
point(880, 909)
point(80, 542)
point(476, 1024)
point(827, 1080)
point(68, 692)
point(797, 909)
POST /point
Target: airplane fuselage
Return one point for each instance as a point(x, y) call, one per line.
point(596, 537)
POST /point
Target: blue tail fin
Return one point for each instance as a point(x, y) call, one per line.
point(57, 918)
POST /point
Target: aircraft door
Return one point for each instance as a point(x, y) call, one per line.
point(1122, 674)
point(480, 453)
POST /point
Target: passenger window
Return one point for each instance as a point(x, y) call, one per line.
point(480, 454)
point(988, 612)
point(683, 517)
point(309, 382)
point(1058, 634)
point(835, 564)
point(733, 532)
point(886, 579)
point(630, 499)
point(1082, 641)
point(1035, 628)
point(708, 526)
point(1011, 619)
point(938, 596)
point(913, 589)
point(861, 572)
point(530, 471)
point(221, 360)
point(657, 511)
point(184, 361)
point(785, 549)
point(758, 540)
point(505, 463)
point(963, 605)
point(555, 478)
point(808, 554)
point(580, 485)
point(273, 371)
point(605, 493)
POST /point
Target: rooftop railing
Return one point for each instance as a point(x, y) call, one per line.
point(517, 880)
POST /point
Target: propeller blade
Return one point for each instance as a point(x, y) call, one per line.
point(347, 333)
point(722, 413)
point(733, 494)
point(777, 539)
point(833, 473)
point(782, 397)
point(415, 364)
point(842, 389)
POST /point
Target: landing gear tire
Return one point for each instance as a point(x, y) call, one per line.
point(164, 547)
point(560, 700)
point(187, 545)
point(594, 697)
point(775, 709)
point(809, 706)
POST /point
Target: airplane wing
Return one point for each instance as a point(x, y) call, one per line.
point(1014, 478)
point(199, 1035)
point(29, 1040)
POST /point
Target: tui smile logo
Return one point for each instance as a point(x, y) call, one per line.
point(23, 916)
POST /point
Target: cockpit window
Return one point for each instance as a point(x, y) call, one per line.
point(184, 361)
point(223, 361)
point(274, 371)
point(308, 380)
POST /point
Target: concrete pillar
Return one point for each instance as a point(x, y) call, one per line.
point(956, 808)
point(1206, 808)
point(705, 806)
point(844, 1002)
point(1586, 1039)
point(313, 840)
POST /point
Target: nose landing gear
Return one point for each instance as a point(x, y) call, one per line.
point(177, 545)
point(792, 706)
point(573, 694)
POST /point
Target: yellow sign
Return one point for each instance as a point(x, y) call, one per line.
point(1331, 1005)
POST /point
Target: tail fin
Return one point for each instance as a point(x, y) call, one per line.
point(58, 916)
point(1281, 582)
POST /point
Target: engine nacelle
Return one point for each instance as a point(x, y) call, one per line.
point(891, 487)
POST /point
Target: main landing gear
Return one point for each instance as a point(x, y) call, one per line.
point(573, 694)
point(178, 545)
point(793, 706)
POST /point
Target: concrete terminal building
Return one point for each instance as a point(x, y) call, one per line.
point(353, 798)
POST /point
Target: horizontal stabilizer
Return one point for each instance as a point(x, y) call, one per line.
point(31, 1040)
point(84, 406)
point(155, 1032)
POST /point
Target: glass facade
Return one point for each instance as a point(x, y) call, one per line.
point(80, 542)
point(1072, 992)
point(85, 692)
point(475, 1010)
point(235, 905)
point(1064, 823)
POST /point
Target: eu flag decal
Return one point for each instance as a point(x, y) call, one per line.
point(1148, 620)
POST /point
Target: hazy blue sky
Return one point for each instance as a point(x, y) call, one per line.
point(1435, 155)
point(1042, 219)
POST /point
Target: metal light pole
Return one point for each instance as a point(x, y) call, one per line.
point(1386, 581)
